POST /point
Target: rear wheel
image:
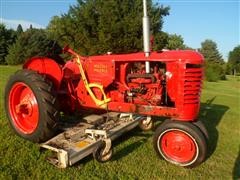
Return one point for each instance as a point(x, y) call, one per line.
point(180, 143)
point(31, 106)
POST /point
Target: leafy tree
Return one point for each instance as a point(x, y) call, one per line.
point(7, 37)
point(188, 48)
point(214, 72)
point(210, 52)
point(160, 41)
point(19, 29)
point(214, 61)
point(175, 42)
point(234, 61)
point(99, 26)
point(33, 42)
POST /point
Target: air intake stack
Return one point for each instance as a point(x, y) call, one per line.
point(146, 35)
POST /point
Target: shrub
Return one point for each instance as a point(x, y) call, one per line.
point(32, 43)
point(211, 75)
point(214, 72)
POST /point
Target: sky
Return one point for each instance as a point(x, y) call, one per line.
point(194, 20)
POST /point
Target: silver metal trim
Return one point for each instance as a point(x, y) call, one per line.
point(146, 35)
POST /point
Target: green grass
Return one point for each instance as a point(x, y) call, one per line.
point(134, 157)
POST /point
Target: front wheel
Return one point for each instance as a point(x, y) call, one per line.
point(180, 143)
point(31, 106)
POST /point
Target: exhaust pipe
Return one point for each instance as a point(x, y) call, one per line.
point(146, 35)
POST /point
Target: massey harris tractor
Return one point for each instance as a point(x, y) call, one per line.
point(124, 90)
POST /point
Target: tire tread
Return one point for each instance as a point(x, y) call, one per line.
point(47, 101)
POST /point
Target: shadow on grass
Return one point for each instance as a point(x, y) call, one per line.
point(236, 169)
point(211, 115)
point(141, 139)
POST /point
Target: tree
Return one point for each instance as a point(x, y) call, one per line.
point(19, 30)
point(234, 61)
point(160, 41)
point(7, 37)
point(175, 42)
point(99, 26)
point(210, 52)
point(189, 48)
point(31, 43)
point(214, 61)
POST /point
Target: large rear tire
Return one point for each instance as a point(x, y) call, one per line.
point(180, 143)
point(31, 106)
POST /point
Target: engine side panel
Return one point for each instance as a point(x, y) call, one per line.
point(101, 71)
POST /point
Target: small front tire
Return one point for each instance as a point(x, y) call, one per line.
point(180, 143)
point(202, 127)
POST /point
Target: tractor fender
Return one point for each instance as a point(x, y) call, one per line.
point(46, 66)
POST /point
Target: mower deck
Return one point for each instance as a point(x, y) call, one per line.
point(82, 139)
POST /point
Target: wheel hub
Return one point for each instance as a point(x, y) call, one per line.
point(178, 146)
point(23, 108)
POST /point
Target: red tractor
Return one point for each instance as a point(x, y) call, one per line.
point(166, 84)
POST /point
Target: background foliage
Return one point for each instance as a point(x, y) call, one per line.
point(98, 26)
point(31, 43)
point(7, 38)
point(233, 66)
point(214, 62)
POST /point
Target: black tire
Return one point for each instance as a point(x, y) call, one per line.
point(164, 138)
point(48, 114)
point(202, 127)
point(99, 156)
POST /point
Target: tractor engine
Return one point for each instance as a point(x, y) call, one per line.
point(144, 88)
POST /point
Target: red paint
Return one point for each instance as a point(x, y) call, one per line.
point(178, 146)
point(23, 108)
point(181, 71)
point(47, 66)
point(186, 56)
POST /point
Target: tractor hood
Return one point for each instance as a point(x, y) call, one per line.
point(187, 56)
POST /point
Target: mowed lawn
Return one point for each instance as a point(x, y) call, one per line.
point(134, 157)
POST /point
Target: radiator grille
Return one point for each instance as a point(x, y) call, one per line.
point(192, 83)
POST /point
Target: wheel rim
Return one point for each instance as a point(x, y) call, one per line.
point(178, 147)
point(23, 108)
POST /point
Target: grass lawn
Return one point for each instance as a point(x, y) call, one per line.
point(134, 157)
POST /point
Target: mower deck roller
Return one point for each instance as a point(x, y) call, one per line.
point(89, 136)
